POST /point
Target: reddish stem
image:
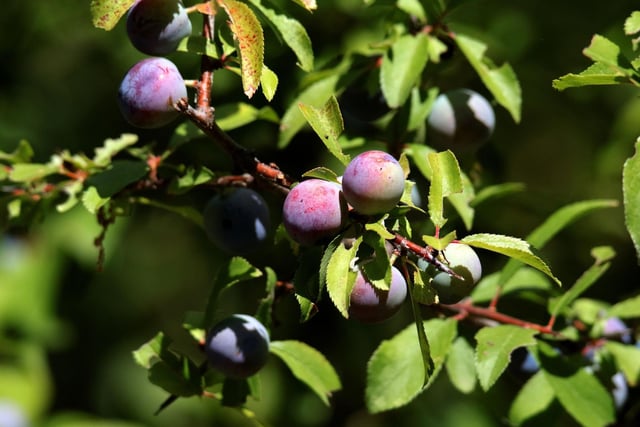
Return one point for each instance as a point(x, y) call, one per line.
point(425, 252)
point(467, 308)
point(241, 156)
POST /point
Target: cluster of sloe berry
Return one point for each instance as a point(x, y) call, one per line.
point(150, 88)
point(237, 220)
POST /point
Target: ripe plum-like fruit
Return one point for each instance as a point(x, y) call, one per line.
point(237, 346)
point(156, 27)
point(149, 90)
point(237, 221)
point(369, 304)
point(464, 261)
point(373, 182)
point(461, 120)
point(313, 211)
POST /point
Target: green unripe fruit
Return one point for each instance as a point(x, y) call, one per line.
point(464, 261)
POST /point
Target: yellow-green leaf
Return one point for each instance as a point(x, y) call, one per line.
point(249, 38)
point(105, 14)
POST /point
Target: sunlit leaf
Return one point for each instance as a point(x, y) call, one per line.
point(604, 51)
point(627, 308)
point(328, 125)
point(309, 366)
point(583, 396)
point(501, 81)
point(269, 84)
point(22, 153)
point(291, 32)
point(461, 367)
point(595, 74)
point(511, 247)
point(533, 398)
point(556, 222)
point(395, 373)
point(341, 277)
point(402, 67)
point(106, 13)
point(316, 94)
point(632, 23)
point(249, 38)
point(627, 359)
point(445, 180)
point(631, 197)
point(493, 352)
point(582, 284)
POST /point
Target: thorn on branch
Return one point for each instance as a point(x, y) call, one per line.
point(427, 253)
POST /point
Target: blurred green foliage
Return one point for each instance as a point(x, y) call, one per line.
point(67, 332)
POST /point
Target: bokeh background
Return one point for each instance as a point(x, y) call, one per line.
point(67, 331)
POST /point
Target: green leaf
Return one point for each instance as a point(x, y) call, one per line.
point(423, 341)
point(501, 81)
point(236, 270)
point(198, 45)
point(328, 125)
point(309, 366)
point(511, 247)
point(627, 359)
point(22, 154)
point(111, 147)
point(628, 308)
point(445, 180)
point(402, 66)
point(105, 14)
point(323, 173)
point(556, 222)
point(460, 366)
point(341, 277)
point(583, 396)
point(249, 38)
point(72, 190)
point(149, 353)
point(29, 172)
point(497, 190)
point(92, 201)
point(532, 399)
point(420, 109)
point(584, 282)
point(192, 177)
point(310, 5)
point(120, 174)
point(461, 201)
point(180, 378)
point(604, 51)
point(632, 23)
point(269, 85)
point(374, 260)
point(183, 133)
point(413, 8)
point(395, 373)
point(292, 32)
point(233, 116)
point(595, 75)
point(525, 278)
point(631, 197)
point(493, 352)
point(316, 94)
